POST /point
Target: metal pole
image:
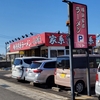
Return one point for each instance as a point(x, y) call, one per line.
point(70, 30)
point(88, 67)
point(71, 52)
point(88, 73)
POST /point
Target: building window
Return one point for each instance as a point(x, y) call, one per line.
point(67, 52)
point(53, 53)
point(44, 53)
point(60, 52)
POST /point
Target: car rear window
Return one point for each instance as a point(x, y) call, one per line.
point(51, 64)
point(35, 65)
point(17, 62)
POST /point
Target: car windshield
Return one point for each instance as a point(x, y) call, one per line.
point(35, 65)
point(17, 62)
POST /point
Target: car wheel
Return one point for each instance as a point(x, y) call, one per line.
point(36, 84)
point(18, 80)
point(79, 86)
point(98, 97)
point(24, 79)
point(50, 81)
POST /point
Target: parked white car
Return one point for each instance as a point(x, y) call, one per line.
point(97, 84)
point(41, 72)
point(20, 64)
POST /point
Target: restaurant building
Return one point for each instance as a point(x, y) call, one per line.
point(46, 44)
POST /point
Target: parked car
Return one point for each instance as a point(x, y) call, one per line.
point(20, 64)
point(1, 58)
point(41, 72)
point(97, 83)
point(62, 73)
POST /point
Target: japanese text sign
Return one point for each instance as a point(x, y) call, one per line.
point(91, 40)
point(27, 43)
point(56, 39)
point(80, 25)
point(48, 39)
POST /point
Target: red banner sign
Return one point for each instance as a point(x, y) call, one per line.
point(80, 25)
point(28, 43)
point(48, 39)
point(56, 39)
point(91, 40)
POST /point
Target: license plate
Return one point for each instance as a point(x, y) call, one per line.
point(62, 75)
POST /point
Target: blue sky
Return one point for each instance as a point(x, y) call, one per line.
point(20, 17)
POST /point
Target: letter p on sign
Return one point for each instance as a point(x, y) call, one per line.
point(80, 38)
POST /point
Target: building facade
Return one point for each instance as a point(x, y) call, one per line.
point(46, 44)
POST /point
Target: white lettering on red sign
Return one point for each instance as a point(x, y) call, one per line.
point(91, 40)
point(37, 39)
point(80, 21)
point(61, 39)
point(20, 45)
point(53, 39)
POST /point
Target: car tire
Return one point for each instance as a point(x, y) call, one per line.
point(98, 97)
point(79, 86)
point(18, 80)
point(36, 84)
point(50, 81)
point(24, 79)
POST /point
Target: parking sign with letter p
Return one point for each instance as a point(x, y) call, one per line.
point(80, 38)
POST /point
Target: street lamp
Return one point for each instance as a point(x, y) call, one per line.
point(9, 41)
point(22, 36)
point(12, 40)
point(31, 33)
point(18, 38)
point(15, 39)
point(26, 35)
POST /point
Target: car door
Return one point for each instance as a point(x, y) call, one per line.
point(48, 70)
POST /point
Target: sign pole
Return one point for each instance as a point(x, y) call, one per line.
point(71, 50)
point(88, 73)
point(70, 31)
point(71, 54)
point(88, 67)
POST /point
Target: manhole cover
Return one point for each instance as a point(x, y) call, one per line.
point(4, 85)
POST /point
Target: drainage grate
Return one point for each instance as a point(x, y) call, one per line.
point(4, 85)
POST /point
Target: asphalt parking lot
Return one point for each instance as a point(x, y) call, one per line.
point(5, 77)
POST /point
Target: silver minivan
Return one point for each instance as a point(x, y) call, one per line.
point(41, 72)
point(20, 64)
